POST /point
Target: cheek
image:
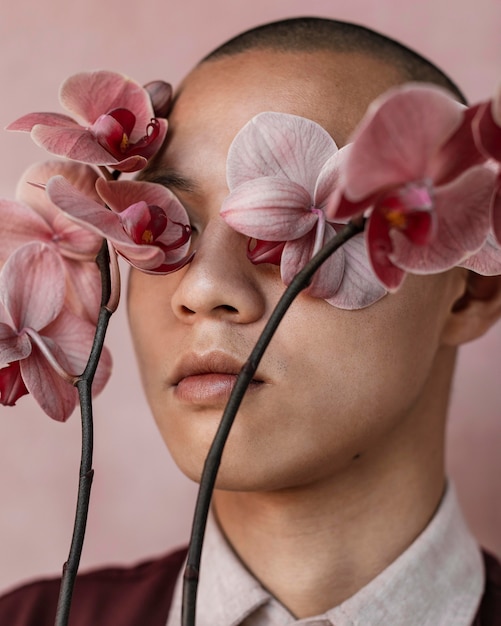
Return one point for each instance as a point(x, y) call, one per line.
point(151, 321)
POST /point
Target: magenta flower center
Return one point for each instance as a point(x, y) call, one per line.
point(410, 211)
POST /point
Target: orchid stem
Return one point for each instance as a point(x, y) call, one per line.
point(213, 460)
point(84, 386)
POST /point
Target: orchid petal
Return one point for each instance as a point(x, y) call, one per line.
point(462, 208)
point(328, 179)
point(297, 253)
point(91, 94)
point(270, 208)
point(496, 210)
point(121, 194)
point(279, 144)
point(74, 337)
point(487, 129)
point(260, 251)
point(80, 144)
point(13, 347)
point(12, 386)
point(83, 289)
point(29, 190)
point(459, 152)
point(32, 286)
point(359, 287)
point(487, 261)
point(160, 94)
point(20, 225)
point(28, 122)
point(412, 123)
point(54, 394)
point(380, 245)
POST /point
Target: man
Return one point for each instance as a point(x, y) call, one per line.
point(332, 505)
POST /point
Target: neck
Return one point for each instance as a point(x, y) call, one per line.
point(316, 545)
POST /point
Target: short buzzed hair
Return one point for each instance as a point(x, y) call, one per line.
point(314, 33)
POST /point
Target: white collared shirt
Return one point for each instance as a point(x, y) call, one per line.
point(437, 581)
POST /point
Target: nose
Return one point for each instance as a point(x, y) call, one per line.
point(220, 282)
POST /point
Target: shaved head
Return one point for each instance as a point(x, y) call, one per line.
point(310, 34)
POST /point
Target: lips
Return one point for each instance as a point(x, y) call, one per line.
point(208, 378)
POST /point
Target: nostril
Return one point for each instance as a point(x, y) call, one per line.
point(227, 307)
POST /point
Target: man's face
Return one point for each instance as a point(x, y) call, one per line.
point(334, 387)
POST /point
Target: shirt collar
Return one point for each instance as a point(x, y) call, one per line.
point(437, 581)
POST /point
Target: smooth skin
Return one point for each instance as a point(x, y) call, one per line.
point(335, 463)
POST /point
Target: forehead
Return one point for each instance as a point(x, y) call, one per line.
point(220, 96)
point(332, 88)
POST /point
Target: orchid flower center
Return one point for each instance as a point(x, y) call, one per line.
point(144, 223)
point(409, 210)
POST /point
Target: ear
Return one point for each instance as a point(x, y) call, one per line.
point(475, 311)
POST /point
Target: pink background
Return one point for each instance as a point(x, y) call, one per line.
point(141, 504)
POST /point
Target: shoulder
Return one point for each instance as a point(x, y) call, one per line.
point(122, 596)
point(489, 613)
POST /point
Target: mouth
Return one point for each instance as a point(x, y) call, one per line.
point(209, 379)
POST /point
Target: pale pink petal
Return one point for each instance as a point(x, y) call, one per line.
point(73, 240)
point(28, 190)
point(121, 194)
point(91, 94)
point(56, 396)
point(270, 208)
point(73, 143)
point(327, 278)
point(32, 286)
point(359, 287)
point(459, 152)
point(487, 261)
point(279, 144)
point(20, 225)
point(83, 289)
point(487, 129)
point(74, 337)
point(27, 122)
point(328, 179)
point(13, 347)
point(462, 208)
point(399, 137)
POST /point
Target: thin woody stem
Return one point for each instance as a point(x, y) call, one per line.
point(84, 386)
point(213, 460)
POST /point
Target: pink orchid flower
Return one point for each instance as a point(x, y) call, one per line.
point(414, 161)
point(281, 170)
point(33, 217)
point(43, 346)
point(147, 224)
point(119, 125)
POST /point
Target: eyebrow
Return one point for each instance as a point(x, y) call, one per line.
point(168, 177)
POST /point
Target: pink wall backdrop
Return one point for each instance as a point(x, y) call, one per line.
point(141, 504)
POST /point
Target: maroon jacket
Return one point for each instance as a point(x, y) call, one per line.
point(142, 595)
